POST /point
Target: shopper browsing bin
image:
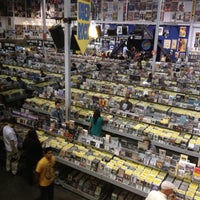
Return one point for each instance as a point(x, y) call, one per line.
point(21, 83)
point(166, 192)
point(58, 113)
point(150, 78)
point(32, 150)
point(45, 174)
point(96, 123)
point(125, 104)
point(11, 145)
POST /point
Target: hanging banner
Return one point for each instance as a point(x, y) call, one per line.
point(83, 23)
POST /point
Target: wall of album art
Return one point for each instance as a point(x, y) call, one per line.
point(173, 39)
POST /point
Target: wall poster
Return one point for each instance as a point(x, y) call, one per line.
point(167, 44)
point(182, 44)
point(182, 31)
point(197, 40)
point(174, 44)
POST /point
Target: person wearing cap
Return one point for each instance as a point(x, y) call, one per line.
point(45, 174)
point(166, 192)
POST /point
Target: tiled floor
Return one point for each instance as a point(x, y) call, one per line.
point(16, 188)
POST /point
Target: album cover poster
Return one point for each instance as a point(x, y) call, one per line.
point(174, 44)
point(136, 16)
point(148, 15)
point(149, 6)
point(167, 44)
point(182, 31)
point(130, 16)
point(182, 44)
point(131, 6)
point(187, 16)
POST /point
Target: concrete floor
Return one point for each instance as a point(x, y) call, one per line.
point(16, 188)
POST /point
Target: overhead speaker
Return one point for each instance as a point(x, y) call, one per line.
point(138, 34)
point(57, 35)
point(124, 30)
point(112, 32)
point(74, 45)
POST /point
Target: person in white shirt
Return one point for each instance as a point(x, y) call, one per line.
point(165, 193)
point(11, 146)
point(125, 52)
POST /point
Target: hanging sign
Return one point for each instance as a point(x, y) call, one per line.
point(83, 23)
point(48, 43)
point(9, 46)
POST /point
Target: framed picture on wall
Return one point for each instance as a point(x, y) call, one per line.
point(130, 16)
point(119, 30)
point(182, 55)
point(187, 16)
point(176, 54)
point(160, 31)
point(182, 44)
point(173, 44)
point(167, 44)
point(182, 31)
point(197, 40)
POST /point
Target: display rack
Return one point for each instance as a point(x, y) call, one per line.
point(100, 176)
point(103, 90)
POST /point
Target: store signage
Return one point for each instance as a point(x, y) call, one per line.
point(146, 45)
point(40, 43)
point(83, 23)
point(48, 44)
point(35, 42)
point(9, 46)
point(31, 42)
point(138, 34)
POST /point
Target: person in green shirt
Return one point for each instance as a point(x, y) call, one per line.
point(96, 123)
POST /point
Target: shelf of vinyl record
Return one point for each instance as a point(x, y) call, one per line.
point(194, 56)
point(55, 71)
point(182, 123)
point(129, 153)
point(137, 132)
point(12, 94)
point(80, 183)
point(123, 172)
point(30, 71)
point(182, 84)
point(132, 129)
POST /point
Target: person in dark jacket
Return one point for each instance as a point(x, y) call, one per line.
point(33, 153)
point(150, 78)
point(58, 113)
point(21, 83)
point(125, 104)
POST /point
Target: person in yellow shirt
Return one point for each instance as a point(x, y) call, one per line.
point(45, 174)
